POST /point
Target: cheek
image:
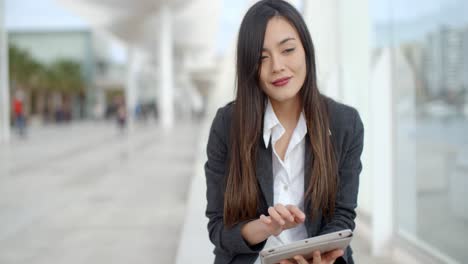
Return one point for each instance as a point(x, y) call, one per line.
point(300, 67)
point(299, 63)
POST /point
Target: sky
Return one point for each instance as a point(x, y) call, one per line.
point(39, 14)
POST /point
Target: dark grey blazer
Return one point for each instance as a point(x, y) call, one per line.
point(347, 136)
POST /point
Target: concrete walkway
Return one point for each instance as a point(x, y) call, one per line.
point(86, 194)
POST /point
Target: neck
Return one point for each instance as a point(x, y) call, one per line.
point(288, 112)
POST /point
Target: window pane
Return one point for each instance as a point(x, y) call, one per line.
point(429, 41)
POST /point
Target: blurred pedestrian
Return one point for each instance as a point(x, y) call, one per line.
point(121, 116)
point(18, 111)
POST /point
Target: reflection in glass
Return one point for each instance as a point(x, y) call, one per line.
point(430, 62)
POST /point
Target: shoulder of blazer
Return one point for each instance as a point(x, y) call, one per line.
point(222, 122)
point(225, 113)
point(342, 117)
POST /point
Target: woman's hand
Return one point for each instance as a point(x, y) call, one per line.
point(282, 218)
point(327, 258)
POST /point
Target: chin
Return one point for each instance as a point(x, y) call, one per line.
point(281, 99)
point(283, 95)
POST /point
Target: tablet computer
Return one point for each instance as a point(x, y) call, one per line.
point(306, 247)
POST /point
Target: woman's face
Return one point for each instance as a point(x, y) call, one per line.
point(283, 64)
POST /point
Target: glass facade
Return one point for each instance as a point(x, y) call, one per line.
point(428, 44)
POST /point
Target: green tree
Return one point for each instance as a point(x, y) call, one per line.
point(65, 76)
point(24, 70)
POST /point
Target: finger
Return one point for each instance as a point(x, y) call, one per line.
point(265, 219)
point(286, 262)
point(284, 212)
point(332, 255)
point(296, 212)
point(317, 258)
point(275, 216)
point(300, 259)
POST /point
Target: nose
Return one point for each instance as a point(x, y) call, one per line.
point(277, 64)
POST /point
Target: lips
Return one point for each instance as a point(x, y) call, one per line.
point(281, 81)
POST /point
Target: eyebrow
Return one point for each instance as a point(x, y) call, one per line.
point(281, 42)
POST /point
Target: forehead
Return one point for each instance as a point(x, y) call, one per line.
point(278, 28)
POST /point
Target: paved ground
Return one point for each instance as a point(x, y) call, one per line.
point(86, 194)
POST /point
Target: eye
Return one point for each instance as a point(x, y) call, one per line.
point(289, 50)
point(263, 57)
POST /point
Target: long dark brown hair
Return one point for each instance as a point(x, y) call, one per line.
point(242, 191)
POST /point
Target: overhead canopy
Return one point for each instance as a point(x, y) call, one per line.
point(194, 22)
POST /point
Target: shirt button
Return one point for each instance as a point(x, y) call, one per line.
point(285, 187)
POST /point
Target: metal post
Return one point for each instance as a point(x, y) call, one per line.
point(166, 95)
point(130, 88)
point(4, 81)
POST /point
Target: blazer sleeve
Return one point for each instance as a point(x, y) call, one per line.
point(348, 183)
point(226, 239)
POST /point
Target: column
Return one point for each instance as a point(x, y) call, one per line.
point(166, 91)
point(382, 142)
point(322, 18)
point(131, 89)
point(4, 81)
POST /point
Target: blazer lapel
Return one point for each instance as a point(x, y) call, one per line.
point(265, 171)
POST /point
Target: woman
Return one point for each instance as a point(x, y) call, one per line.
point(283, 159)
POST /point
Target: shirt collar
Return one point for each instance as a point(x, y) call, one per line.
point(301, 127)
point(271, 121)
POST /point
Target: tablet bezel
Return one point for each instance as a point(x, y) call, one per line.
point(323, 243)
